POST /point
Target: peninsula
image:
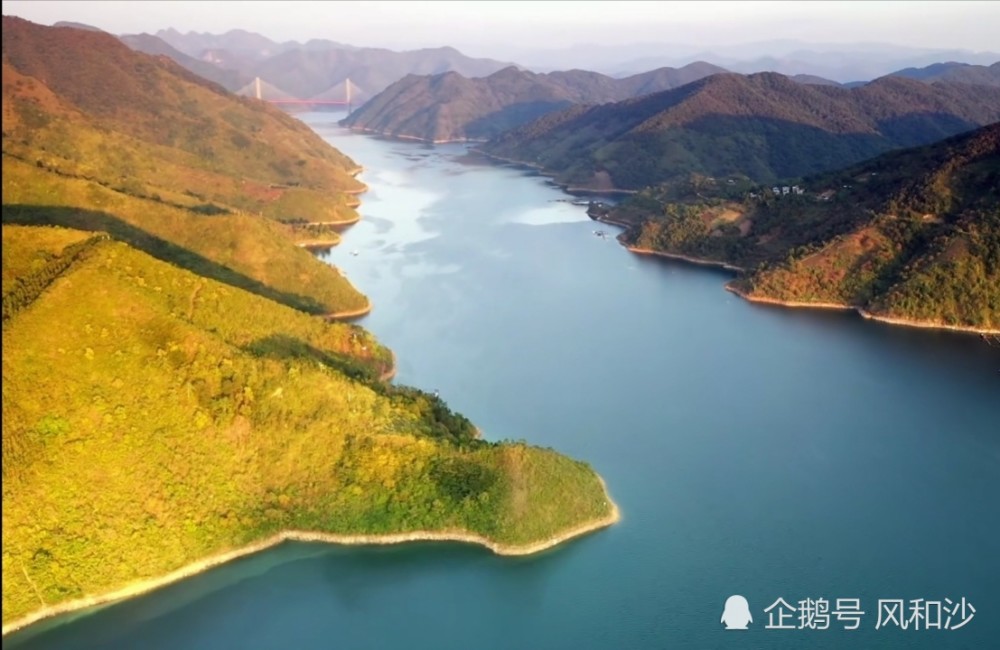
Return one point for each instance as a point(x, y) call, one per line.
point(173, 395)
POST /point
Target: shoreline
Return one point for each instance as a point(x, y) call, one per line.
point(350, 221)
point(611, 222)
point(391, 372)
point(200, 566)
point(685, 258)
point(867, 315)
point(350, 313)
point(412, 138)
point(511, 161)
point(588, 190)
point(565, 187)
point(793, 304)
point(830, 306)
point(929, 325)
point(318, 243)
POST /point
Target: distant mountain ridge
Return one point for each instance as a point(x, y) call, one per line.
point(951, 71)
point(311, 69)
point(762, 126)
point(303, 70)
point(150, 44)
point(240, 41)
point(450, 107)
point(839, 62)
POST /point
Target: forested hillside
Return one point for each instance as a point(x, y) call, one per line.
point(763, 127)
point(449, 106)
point(912, 235)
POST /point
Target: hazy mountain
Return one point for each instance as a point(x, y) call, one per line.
point(242, 43)
point(813, 80)
point(955, 72)
point(304, 70)
point(665, 78)
point(913, 234)
point(309, 72)
point(149, 44)
point(74, 25)
point(836, 61)
point(452, 107)
point(763, 126)
point(847, 66)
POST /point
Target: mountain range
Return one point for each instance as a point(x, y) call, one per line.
point(318, 68)
point(450, 107)
point(840, 62)
point(979, 75)
point(302, 70)
point(762, 126)
point(229, 78)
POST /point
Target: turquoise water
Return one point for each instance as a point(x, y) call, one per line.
point(753, 450)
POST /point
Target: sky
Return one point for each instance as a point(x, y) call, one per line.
point(485, 28)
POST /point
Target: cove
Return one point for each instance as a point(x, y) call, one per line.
point(752, 450)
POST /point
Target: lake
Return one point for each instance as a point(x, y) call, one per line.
point(753, 450)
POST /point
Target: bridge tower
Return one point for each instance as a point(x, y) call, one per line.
point(347, 87)
point(256, 85)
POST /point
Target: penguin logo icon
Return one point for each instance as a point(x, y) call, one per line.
point(736, 614)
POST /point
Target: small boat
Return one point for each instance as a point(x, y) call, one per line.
point(354, 253)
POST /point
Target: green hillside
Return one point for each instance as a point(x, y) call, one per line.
point(912, 235)
point(166, 417)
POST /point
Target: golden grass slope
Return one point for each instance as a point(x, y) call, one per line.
point(247, 251)
point(26, 250)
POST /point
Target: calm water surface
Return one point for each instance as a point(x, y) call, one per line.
point(753, 450)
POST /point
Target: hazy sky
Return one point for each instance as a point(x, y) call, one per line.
point(492, 28)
